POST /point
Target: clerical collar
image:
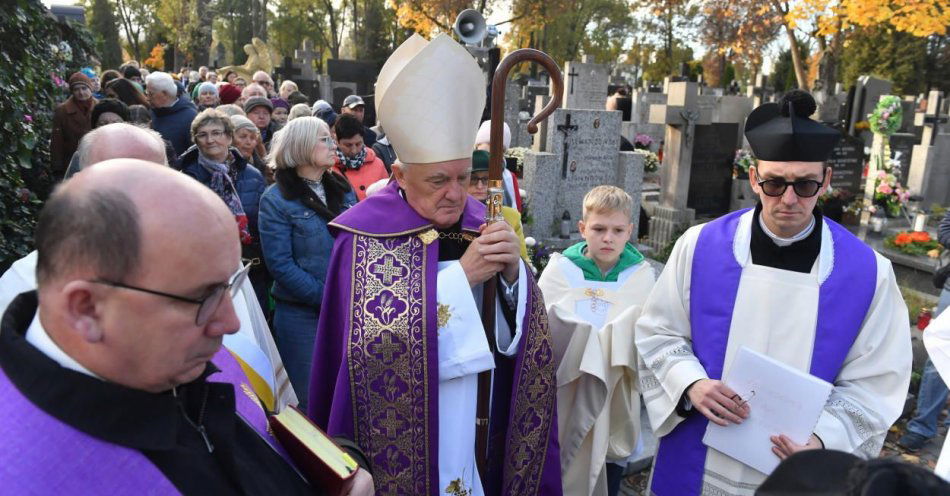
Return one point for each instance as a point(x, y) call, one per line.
point(38, 337)
point(798, 256)
point(780, 241)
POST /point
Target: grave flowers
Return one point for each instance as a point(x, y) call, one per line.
point(888, 194)
point(642, 142)
point(651, 163)
point(918, 243)
point(742, 163)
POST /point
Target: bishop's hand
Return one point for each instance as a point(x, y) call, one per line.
point(362, 484)
point(717, 402)
point(496, 250)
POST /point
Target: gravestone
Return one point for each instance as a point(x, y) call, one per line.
point(582, 152)
point(930, 168)
point(307, 80)
point(531, 92)
point(341, 91)
point(847, 165)
point(758, 91)
point(867, 91)
point(693, 146)
point(710, 179)
point(585, 86)
point(361, 74)
point(902, 149)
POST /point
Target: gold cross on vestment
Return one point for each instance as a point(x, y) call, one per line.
point(387, 270)
point(387, 347)
point(536, 389)
point(391, 424)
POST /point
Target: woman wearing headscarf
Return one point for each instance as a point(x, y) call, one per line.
point(207, 96)
point(247, 140)
point(72, 119)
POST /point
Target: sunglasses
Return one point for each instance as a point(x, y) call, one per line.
point(207, 305)
point(804, 188)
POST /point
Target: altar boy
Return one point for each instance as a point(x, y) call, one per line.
point(593, 294)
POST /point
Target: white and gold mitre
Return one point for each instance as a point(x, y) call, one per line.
point(429, 99)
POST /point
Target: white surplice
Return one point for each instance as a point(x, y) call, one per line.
point(598, 397)
point(775, 314)
point(463, 353)
point(937, 342)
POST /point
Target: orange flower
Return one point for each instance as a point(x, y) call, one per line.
point(903, 239)
point(920, 236)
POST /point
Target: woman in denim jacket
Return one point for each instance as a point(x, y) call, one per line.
point(294, 215)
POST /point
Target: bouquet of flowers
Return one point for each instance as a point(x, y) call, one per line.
point(651, 163)
point(887, 116)
point(889, 194)
point(642, 142)
point(743, 162)
point(914, 243)
point(538, 253)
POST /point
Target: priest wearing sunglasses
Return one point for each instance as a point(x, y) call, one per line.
point(786, 282)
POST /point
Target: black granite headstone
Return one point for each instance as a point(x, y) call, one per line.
point(847, 165)
point(353, 71)
point(710, 179)
point(902, 147)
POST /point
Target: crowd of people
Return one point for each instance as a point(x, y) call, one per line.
point(220, 250)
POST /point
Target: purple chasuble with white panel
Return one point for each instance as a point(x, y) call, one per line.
point(844, 299)
point(376, 371)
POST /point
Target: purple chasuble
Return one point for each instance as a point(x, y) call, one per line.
point(375, 368)
point(844, 300)
point(43, 455)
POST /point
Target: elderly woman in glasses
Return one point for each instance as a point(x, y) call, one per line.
point(217, 165)
point(294, 216)
point(478, 189)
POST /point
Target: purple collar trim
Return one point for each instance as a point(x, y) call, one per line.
point(388, 214)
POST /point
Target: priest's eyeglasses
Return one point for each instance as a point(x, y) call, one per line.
point(207, 305)
point(804, 188)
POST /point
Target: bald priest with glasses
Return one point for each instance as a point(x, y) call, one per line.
point(786, 282)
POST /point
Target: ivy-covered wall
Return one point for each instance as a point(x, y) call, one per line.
point(37, 55)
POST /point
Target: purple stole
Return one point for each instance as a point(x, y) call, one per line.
point(375, 369)
point(43, 455)
point(844, 299)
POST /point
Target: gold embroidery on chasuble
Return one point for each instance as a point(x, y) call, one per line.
point(444, 314)
point(386, 353)
point(534, 405)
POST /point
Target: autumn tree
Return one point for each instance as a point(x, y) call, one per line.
point(103, 25)
point(736, 32)
point(830, 23)
point(894, 55)
point(669, 23)
point(567, 29)
point(429, 17)
point(322, 21)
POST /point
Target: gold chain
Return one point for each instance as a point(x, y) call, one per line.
point(457, 236)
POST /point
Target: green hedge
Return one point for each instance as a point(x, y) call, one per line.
point(37, 53)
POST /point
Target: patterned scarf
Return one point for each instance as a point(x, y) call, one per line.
point(223, 186)
point(352, 163)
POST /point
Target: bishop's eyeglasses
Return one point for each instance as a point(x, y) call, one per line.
point(207, 305)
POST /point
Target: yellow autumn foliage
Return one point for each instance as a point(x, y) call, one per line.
point(156, 58)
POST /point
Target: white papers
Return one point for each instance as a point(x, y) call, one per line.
point(782, 400)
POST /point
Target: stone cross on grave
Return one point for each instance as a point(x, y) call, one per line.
point(570, 76)
point(566, 129)
point(756, 91)
point(931, 119)
point(306, 56)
